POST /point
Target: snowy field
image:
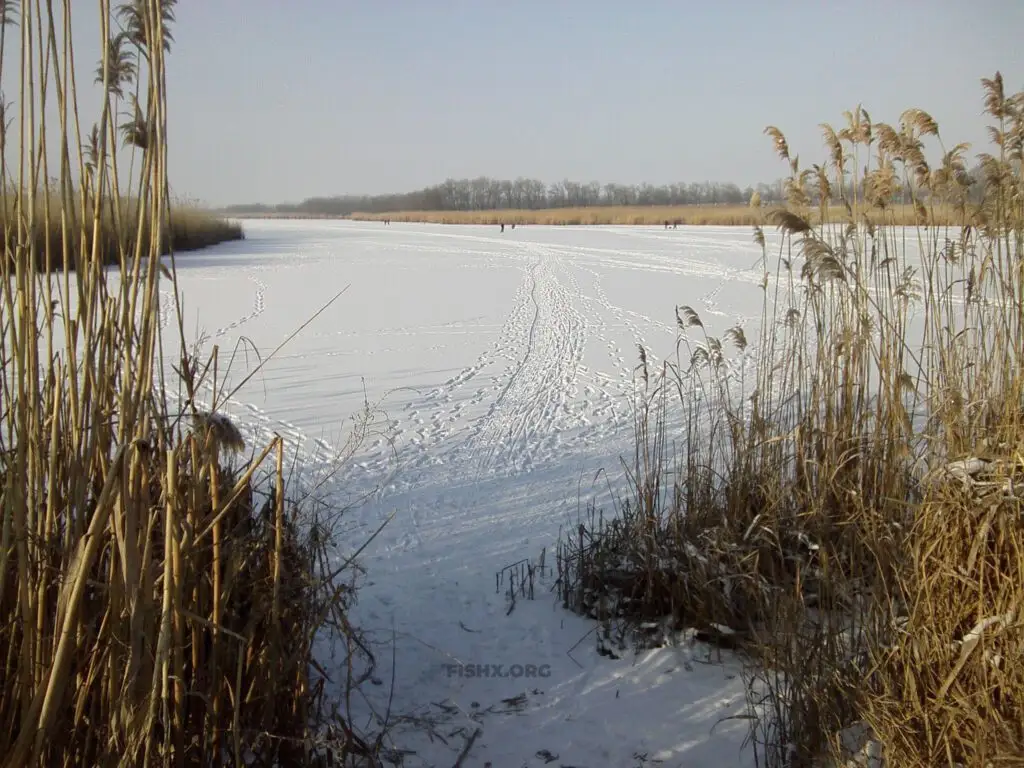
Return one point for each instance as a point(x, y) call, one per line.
point(503, 364)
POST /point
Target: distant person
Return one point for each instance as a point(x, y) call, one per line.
point(503, 226)
point(666, 223)
point(513, 225)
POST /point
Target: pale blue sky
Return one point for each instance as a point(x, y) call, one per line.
point(276, 101)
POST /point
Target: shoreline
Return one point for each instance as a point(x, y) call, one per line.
point(675, 216)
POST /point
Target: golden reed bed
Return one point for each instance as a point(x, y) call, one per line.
point(681, 215)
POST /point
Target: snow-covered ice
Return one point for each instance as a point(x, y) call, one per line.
point(503, 364)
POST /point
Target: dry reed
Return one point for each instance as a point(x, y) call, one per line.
point(681, 215)
point(149, 613)
point(849, 509)
point(188, 228)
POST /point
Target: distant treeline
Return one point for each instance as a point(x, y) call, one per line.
point(486, 194)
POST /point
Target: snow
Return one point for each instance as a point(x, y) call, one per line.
point(502, 365)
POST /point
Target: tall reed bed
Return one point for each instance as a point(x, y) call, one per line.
point(152, 610)
point(675, 215)
point(188, 228)
point(848, 506)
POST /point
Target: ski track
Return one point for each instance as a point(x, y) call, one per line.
point(484, 467)
point(547, 335)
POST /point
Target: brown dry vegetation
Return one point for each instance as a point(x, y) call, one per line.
point(851, 509)
point(152, 610)
point(683, 215)
point(188, 228)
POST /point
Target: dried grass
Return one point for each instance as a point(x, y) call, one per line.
point(188, 228)
point(848, 505)
point(681, 215)
point(150, 614)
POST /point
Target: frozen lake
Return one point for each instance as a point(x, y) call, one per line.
point(501, 365)
point(510, 352)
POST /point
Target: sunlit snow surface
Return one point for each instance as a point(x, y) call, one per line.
point(501, 367)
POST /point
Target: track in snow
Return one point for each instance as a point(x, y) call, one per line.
point(531, 408)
